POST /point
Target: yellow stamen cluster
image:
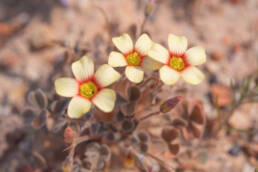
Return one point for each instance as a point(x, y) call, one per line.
point(133, 59)
point(88, 89)
point(177, 63)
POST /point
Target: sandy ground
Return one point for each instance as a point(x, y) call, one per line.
point(228, 29)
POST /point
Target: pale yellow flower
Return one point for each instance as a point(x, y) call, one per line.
point(133, 57)
point(88, 88)
point(179, 61)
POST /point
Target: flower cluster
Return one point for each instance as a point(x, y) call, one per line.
point(88, 88)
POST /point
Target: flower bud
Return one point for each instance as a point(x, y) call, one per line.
point(169, 104)
point(69, 134)
point(149, 8)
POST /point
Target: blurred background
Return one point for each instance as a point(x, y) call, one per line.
point(36, 36)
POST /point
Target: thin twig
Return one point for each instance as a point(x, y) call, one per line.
point(40, 157)
point(149, 115)
point(143, 24)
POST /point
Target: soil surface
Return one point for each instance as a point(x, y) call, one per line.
point(31, 34)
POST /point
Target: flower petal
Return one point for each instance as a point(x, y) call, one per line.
point(149, 63)
point(143, 44)
point(116, 59)
point(67, 87)
point(106, 75)
point(196, 55)
point(83, 68)
point(177, 44)
point(168, 76)
point(134, 74)
point(105, 100)
point(159, 53)
point(78, 106)
point(124, 43)
point(193, 75)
